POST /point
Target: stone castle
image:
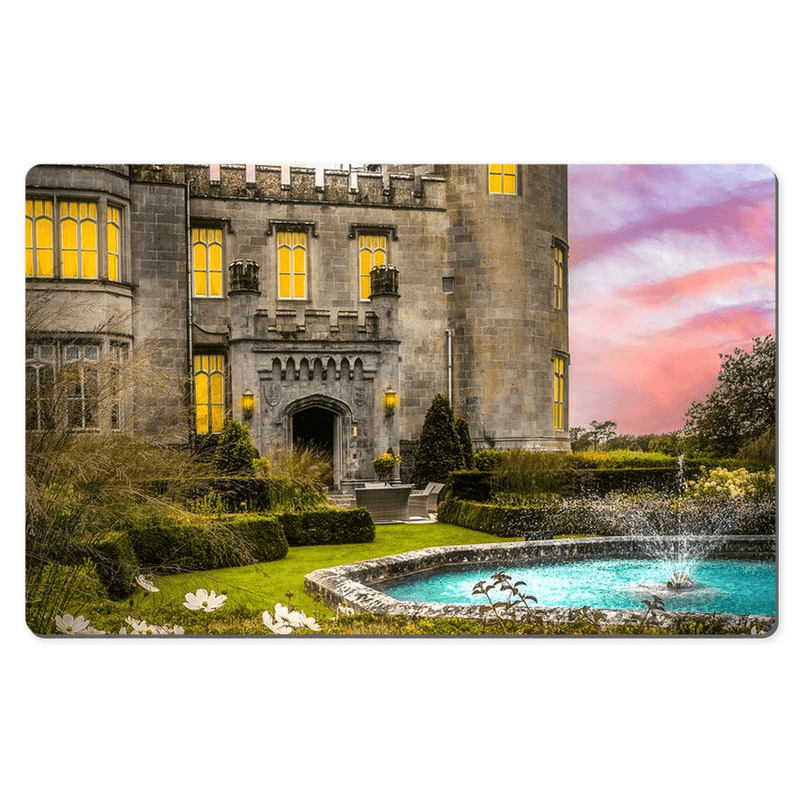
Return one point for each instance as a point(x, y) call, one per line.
point(322, 306)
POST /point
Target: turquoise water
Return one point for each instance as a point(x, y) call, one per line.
point(723, 587)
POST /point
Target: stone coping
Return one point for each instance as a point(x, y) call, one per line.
point(357, 585)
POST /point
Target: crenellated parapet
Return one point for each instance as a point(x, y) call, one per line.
point(311, 324)
point(297, 184)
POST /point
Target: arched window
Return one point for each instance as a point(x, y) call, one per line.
point(292, 264)
point(207, 261)
point(79, 239)
point(113, 241)
point(559, 263)
point(66, 238)
point(209, 386)
point(559, 392)
point(39, 238)
point(371, 253)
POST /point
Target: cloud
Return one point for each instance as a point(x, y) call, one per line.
point(737, 277)
point(614, 207)
point(646, 383)
point(669, 267)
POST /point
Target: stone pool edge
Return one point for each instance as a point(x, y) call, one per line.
point(353, 584)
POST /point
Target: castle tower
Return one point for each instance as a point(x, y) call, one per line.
point(506, 257)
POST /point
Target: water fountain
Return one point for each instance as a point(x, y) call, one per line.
point(682, 542)
point(679, 533)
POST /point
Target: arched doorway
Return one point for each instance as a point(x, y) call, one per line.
point(317, 422)
point(313, 429)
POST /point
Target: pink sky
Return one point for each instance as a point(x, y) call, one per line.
point(669, 267)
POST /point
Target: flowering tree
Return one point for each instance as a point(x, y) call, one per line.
point(742, 407)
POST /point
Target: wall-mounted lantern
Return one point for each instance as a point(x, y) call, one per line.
point(248, 404)
point(390, 400)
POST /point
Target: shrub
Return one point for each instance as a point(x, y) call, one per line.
point(487, 459)
point(235, 452)
point(175, 540)
point(760, 452)
point(242, 493)
point(531, 521)
point(439, 450)
point(59, 587)
point(116, 563)
point(330, 526)
point(726, 483)
point(473, 485)
point(264, 533)
point(308, 464)
point(465, 440)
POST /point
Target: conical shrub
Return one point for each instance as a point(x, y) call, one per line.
point(439, 450)
point(235, 450)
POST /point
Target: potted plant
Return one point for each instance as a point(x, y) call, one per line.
point(385, 463)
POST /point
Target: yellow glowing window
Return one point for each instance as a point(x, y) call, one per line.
point(503, 178)
point(207, 261)
point(78, 239)
point(39, 238)
point(113, 239)
point(292, 268)
point(371, 253)
point(559, 378)
point(209, 386)
point(558, 277)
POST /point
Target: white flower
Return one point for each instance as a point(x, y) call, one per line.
point(292, 619)
point(70, 624)
point(276, 626)
point(138, 625)
point(202, 600)
point(141, 628)
point(91, 632)
point(146, 584)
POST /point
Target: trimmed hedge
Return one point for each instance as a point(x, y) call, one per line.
point(469, 484)
point(479, 485)
point(329, 526)
point(238, 493)
point(161, 541)
point(116, 563)
point(533, 522)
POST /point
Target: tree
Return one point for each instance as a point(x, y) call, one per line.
point(603, 431)
point(235, 451)
point(462, 430)
point(439, 450)
point(742, 406)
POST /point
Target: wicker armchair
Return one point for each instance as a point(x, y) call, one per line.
point(422, 504)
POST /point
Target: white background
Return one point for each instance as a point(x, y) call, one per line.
point(417, 82)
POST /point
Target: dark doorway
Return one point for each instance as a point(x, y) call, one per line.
point(313, 429)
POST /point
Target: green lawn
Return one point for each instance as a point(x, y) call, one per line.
point(258, 587)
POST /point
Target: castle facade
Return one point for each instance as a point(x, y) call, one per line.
point(318, 306)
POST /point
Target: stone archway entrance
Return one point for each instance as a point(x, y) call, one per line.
point(314, 429)
point(318, 422)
